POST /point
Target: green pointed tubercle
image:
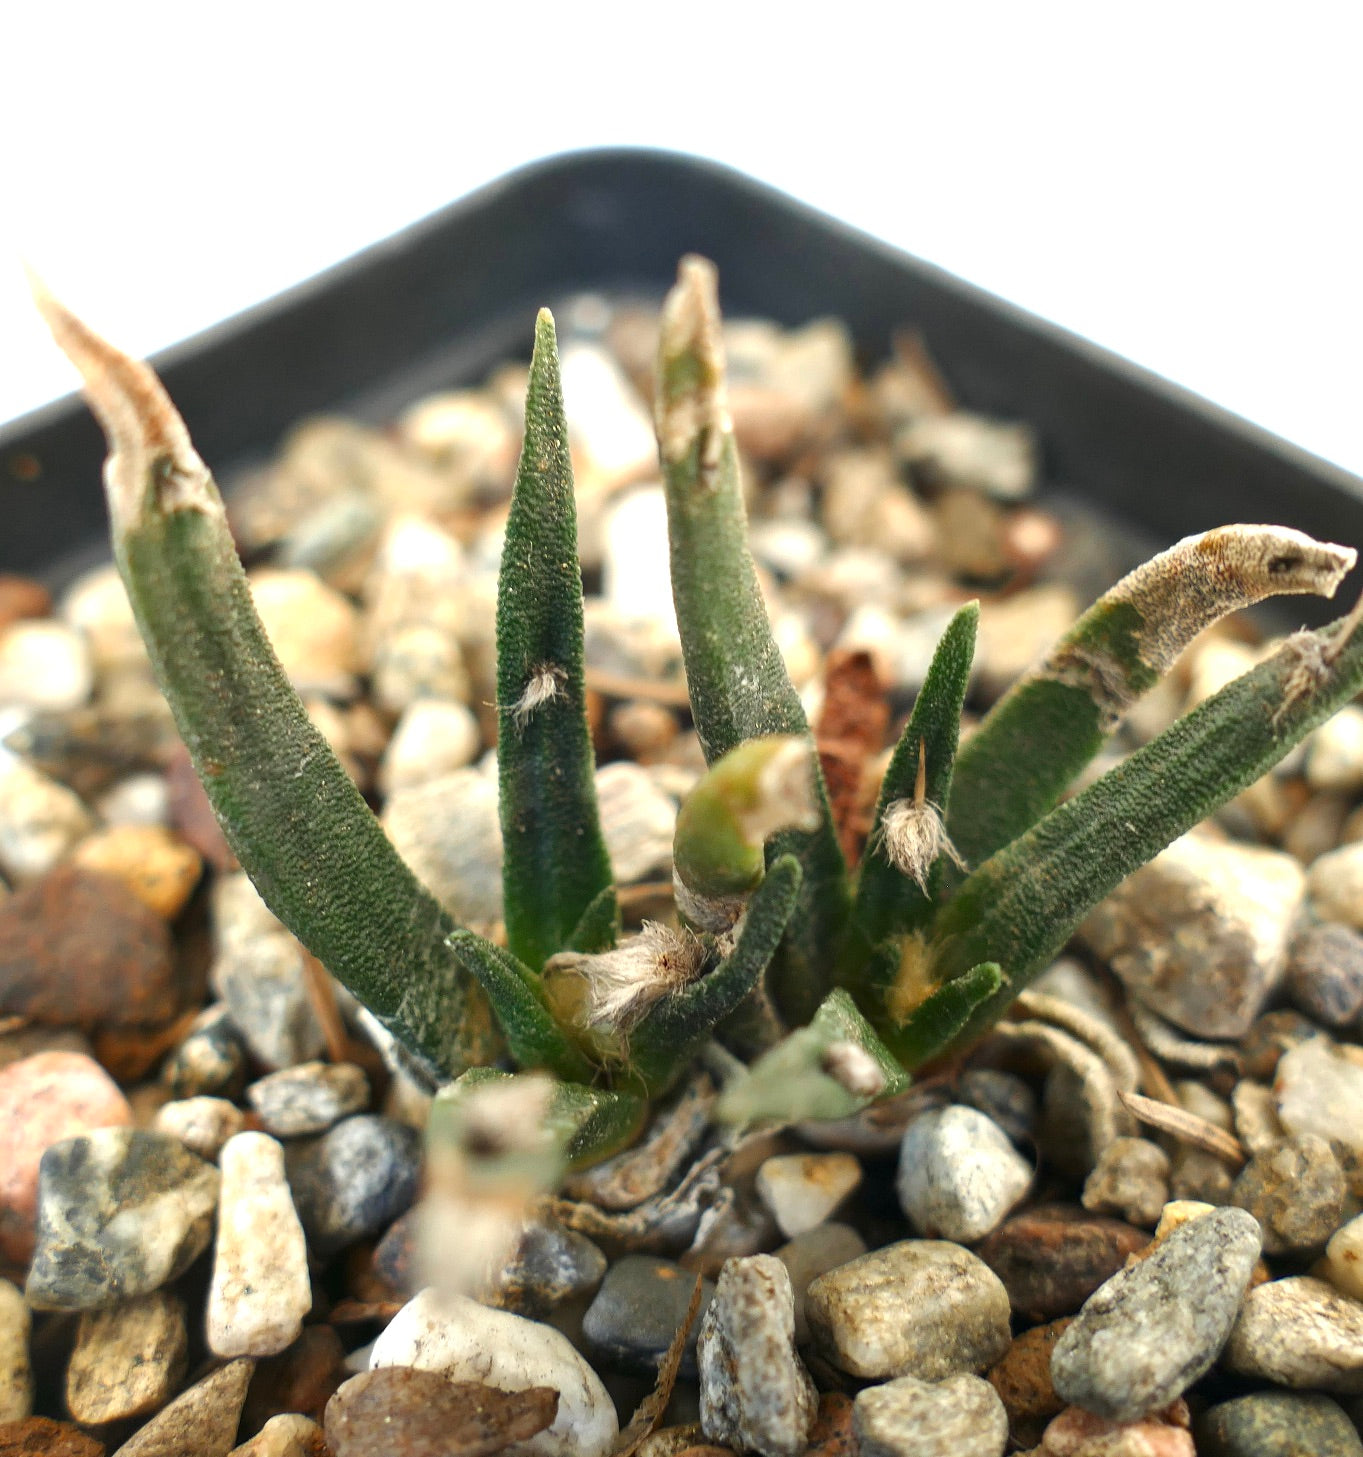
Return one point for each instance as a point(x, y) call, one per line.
point(1019, 907)
point(889, 903)
point(937, 1021)
point(297, 824)
point(1048, 726)
point(670, 1035)
point(832, 1068)
point(736, 679)
point(555, 866)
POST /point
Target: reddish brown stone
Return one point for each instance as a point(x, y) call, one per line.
point(1023, 1382)
point(192, 815)
point(1052, 1258)
point(78, 949)
point(833, 1435)
point(403, 1412)
point(41, 1437)
point(302, 1379)
point(22, 597)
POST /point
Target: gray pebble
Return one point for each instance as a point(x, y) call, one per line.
point(635, 1314)
point(1299, 1332)
point(463, 871)
point(1131, 1180)
point(1295, 1189)
point(121, 1212)
point(1256, 1115)
point(128, 1360)
point(210, 1062)
point(1003, 1097)
point(262, 980)
point(1278, 1424)
point(309, 1098)
point(549, 1265)
point(923, 1308)
point(754, 1392)
point(959, 1174)
point(354, 1180)
point(1146, 1335)
point(1325, 974)
point(812, 1254)
point(959, 1417)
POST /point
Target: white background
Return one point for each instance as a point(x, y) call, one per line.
point(1180, 182)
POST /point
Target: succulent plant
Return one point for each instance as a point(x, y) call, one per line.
point(839, 981)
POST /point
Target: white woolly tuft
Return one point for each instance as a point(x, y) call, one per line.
point(622, 985)
point(913, 835)
point(544, 686)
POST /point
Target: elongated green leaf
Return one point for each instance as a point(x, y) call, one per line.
point(583, 1125)
point(937, 1022)
point(599, 928)
point(1019, 908)
point(737, 681)
point(554, 861)
point(888, 901)
point(1042, 732)
point(663, 1044)
point(297, 824)
point(533, 1038)
point(832, 1068)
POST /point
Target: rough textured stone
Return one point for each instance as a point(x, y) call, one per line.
point(434, 737)
point(959, 1174)
point(465, 1341)
point(44, 1099)
point(1003, 1097)
point(16, 1375)
point(1023, 1381)
point(637, 821)
point(128, 1360)
point(262, 981)
point(202, 1420)
point(1131, 1180)
point(120, 1213)
point(1325, 974)
point(960, 1416)
point(354, 1180)
point(1079, 1433)
point(754, 1392)
point(635, 1314)
point(406, 1412)
point(1278, 1424)
point(1140, 1341)
point(286, 1435)
point(78, 949)
point(42, 1437)
point(1200, 934)
point(803, 1189)
point(1301, 1333)
point(211, 1061)
point(920, 1307)
point(1295, 1189)
point(1320, 1091)
point(260, 1289)
point(812, 1254)
point(202, 1124)
point(1053, 1257)
point(464, 871)
point(308, 1098)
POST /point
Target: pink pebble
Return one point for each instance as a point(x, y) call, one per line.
point(44, 1099)
point(1078, 1433)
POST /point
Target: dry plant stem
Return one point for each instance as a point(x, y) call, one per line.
point(1186, 1127)
point(295, 821)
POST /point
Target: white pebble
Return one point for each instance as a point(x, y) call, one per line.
point(1335, 885)
point(637, 820)
point(1335, 752)
point(202, 1124)
point(636, 578)
point(803, 1189)
point(40, 820)
point(465, 1341)
point(433, 737)
point(44, 665)
point(959, 1174)
point(260, 1290)
point(1344, 1259)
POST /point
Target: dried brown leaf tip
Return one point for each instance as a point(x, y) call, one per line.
point(692, 403)
point(152, 464)
point(913, 832)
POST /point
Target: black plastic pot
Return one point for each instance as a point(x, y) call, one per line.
point(446, 299)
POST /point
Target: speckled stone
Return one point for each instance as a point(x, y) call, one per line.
point(1079, 1433)
point(636, 1312)
point(960, 1416)
point(550, 1264)
point(464, 871)
point(920, 1307)
point(755, 1394)
point(156, 865)
point(127, 1360)
point(812, 1254)
point(1131, 1180)
point(1139, 1342)
point(1278, 1424)
point(285, 1435)
point(309, 1098)
point(1295, 1189)
point(202, 1420)
point(16, 1374)
point(202, 1124)
point(959, 1174)
point(354, 1180)
point(211, 1061)
point(262, 981)
point(260, 1289)
point(802, 1189)
point(465, 1341)
point(41, 821)
point(1320, 1091)
point(1301, 1333)
point(42, 1437)
point(121, 1212)
point(1325, 974)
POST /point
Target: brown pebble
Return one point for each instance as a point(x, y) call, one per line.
point(192, 814)
point(22, 597)
point(1023, 1382)
point(402, 1412)
point(302, 1378)
point(78, 949)
point(44, 1099)
point(1052, 1258)
point(202, 1420)
point(157, 865)
point(42, 1437)
point(832, 1435)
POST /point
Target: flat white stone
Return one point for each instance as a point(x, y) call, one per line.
point(803, 1189)
point(466, 1341)
point(260, 1290)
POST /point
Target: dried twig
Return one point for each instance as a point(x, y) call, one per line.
point(1186, 1127)
point(650, 1410)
